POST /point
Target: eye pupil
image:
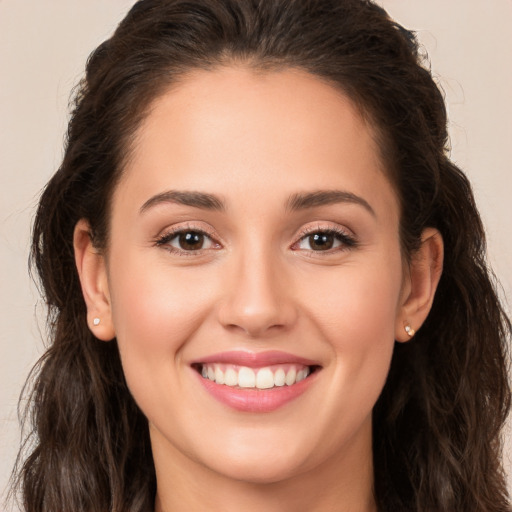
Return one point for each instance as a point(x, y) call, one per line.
point(321, 241)
point(191, 240)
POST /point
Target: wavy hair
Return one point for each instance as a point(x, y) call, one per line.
point(438, 420)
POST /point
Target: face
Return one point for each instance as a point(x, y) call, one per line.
point(254, 275)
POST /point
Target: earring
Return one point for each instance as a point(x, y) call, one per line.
point(409, 330)
point(96, 321)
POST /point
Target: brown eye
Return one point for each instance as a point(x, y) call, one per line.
point(321, 241)
point(325, 240)
point(187, 241)
point(190, 241)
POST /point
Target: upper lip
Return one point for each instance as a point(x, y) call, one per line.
point(255, 359)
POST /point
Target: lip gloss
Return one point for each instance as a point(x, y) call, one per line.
point(253, 399)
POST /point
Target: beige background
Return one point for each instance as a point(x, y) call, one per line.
point(43, 48)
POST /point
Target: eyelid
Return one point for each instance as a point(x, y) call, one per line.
point(348, 238)
point(163, 239)
point(345, 236)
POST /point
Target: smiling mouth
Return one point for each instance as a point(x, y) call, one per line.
point(244, 377)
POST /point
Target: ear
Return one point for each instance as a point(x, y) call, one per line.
point(92, 271)
point(420, 284)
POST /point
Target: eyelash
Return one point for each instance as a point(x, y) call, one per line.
point(347, 241)
point(165, 239)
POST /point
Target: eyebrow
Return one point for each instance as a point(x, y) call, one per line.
point(302, 201)
point(187, 198)
point(299, 201)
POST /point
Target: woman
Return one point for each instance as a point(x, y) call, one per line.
point(266, 280)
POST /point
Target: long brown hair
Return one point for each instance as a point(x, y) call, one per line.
point(437, 423)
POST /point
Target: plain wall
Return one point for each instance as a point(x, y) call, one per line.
point(43, 48)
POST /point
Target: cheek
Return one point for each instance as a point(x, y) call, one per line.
point(355, 310)
point(155, 312)
point(355, 306)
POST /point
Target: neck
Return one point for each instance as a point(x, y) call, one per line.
point(342, 484)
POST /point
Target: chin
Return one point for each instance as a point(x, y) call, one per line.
point(269, 472)
point(262, 462)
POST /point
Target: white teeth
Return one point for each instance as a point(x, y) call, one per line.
point(230, 377)
point(262, 378)
point(290, 377)
point(265, 379)
point(219, 375)
point(279, 377)
point(246, 377)
point(301, 375)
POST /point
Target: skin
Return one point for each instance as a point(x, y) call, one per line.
point(253, 140)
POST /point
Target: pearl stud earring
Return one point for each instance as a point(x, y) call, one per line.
point(96, 321)
point(409, 330)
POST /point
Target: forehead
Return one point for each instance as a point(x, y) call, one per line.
point(251, 128)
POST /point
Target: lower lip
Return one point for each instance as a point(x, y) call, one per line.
point(256, 400)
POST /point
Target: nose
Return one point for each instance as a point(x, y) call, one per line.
point(257, 298)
